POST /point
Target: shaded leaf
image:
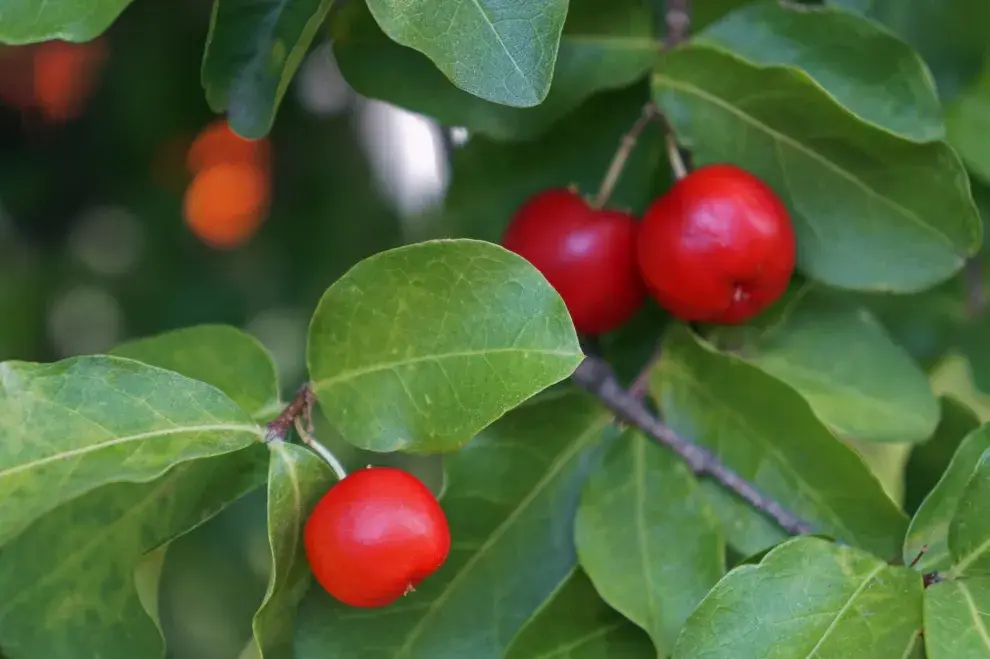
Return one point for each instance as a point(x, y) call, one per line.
point(768, 434)
point(808, 598)
point(252, 51)
point(510, 498)
point(602, 47)
point(857, 380)
point(869, 71)
point(928, 461)
point(421, 347)
point(648, 538)
point(854, 191)
point(74, 567)
point(950, 34)
point(957, 619)
point(31, 21)
point(969, 530)
point(67, 428)
point(968, 119)
point(231, 360)
point(297, 478)
point(577, 623)
point(930, 526)
point(502, 52)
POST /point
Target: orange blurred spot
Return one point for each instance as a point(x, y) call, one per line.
point(65, 75)
point(226, 203)
point(217, 144)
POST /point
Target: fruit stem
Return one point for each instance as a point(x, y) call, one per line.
point(674, 156)
point(309, 440)
point(626, 146)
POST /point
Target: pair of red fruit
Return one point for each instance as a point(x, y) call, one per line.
point(718, 247)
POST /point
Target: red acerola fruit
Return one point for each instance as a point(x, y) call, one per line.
point(719, 247)
point(588, 255)
point(375, 535)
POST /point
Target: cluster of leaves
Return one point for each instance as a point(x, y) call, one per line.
point(571, 536)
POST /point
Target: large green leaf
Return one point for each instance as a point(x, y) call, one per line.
point(73, 569)
point(968, 119)
point(857, 380)
point(297, 478)
point(30, 21)
point(969, 530)
point(870, 72)
point(252, 51)
point(928, 461)
point(808, 598)
point(510, 497)
point(603, 46)
point(69, 427)
point(950, 34)
point(930, 525)
point(957, 619)
point(768, 434)
point(502, 52)
point(232, 361)
point(577, 624)
point(648, 537)
point(422, 346)
point(854, 191)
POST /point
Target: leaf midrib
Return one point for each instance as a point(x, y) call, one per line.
point(845, 607)
point(435, 357)
point(798, 146)
point(974, 614)
point(84, 450)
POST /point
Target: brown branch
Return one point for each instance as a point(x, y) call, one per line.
point(595, 376)
point(301, 404)
point(976, 290)
point(678, 19)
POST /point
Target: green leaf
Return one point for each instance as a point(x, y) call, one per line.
point(930, 526)
point(928, 461)
point(502, 52)
point(510, 497)
point(839, 358)
point(968, 119)
point(577, 623)
point(648, 537)
point(31, 21)
point(603, 46)
point(808, 598)
point(491, 179)
point(969, 530)
point(854, 191)
point(69, 427)
point(957, 619)
point(950, 34)
point(74, 567)
point(297, 478)
point(768, 434)
point(232, 361)
point(421, 347)
point(865, 68)
point(252, 51)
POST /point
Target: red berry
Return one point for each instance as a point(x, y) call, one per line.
point(719, 247)
point(375, 535)
point(587, 255)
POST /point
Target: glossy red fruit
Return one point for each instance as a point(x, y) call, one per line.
point(587, 255)
point(719, 247)
point(375, 535)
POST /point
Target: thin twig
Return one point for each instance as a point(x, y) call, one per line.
point(626, 146)
point(678, 18)
point(320, 449)
point(976, 290)
point(596, 376)
point(641, 384)
point(301, 403)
